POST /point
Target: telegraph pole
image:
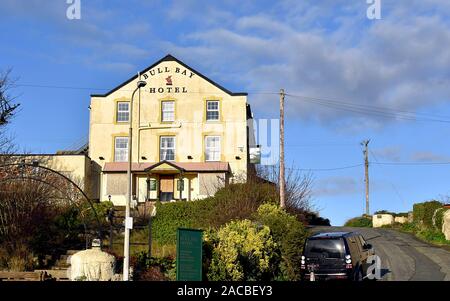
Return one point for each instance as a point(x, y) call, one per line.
point(365, 143)
point(282, 178)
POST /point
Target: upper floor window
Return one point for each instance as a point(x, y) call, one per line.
point(123, 111)
point(212, 110)
point(167, 111)
point(167, 148)
point(212, 148)
point(121, 149)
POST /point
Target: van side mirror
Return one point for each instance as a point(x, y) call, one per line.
point(367, 246)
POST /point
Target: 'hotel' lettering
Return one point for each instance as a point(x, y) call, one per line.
point(168, 90)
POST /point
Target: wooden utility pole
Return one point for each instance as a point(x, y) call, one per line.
point(282, 178)
point(365, 143)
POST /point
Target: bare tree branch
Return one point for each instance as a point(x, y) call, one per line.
point(7, 108)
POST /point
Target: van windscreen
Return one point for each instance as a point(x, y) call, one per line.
point(328, 248)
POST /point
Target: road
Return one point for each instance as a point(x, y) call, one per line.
point(403, 257)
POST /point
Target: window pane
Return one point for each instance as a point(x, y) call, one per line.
point(213, 105)
point(212, 115)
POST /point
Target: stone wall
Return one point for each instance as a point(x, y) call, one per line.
point(446, 225)
point(401, 219)
point(379, 220)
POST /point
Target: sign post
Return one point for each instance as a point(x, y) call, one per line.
point(189, 254)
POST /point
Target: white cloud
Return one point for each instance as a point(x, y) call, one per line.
point(336, 186)
point(429, 156)
point(390, 153)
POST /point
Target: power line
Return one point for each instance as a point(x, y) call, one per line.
point(367, 106)
point(392, 184)
point(412, 163)
point(325, 169)
point(379, 111)
point(106, 90)
point(370, 110)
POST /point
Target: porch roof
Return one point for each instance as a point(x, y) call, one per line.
point(185, 166)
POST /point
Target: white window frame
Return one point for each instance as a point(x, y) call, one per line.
point(213, 153)
point(213, 110)
point(124, 112)
point(163, 149)
point(120, 154)
point(170, 111)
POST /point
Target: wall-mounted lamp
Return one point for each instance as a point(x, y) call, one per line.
point(101, 158)
point(238, 158)
point(144, 158)
point(189, 157)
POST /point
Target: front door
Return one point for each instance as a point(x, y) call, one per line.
point(166, 188)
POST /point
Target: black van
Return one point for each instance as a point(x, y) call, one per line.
point(335, 255)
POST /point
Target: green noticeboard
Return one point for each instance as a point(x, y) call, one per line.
point(189, 254)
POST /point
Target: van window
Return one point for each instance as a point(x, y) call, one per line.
point(328, 248)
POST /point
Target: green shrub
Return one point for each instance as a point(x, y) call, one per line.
point(432, 235)
point(289, 234)
point(361, 221)
point(423, 213)
point(153, 268)
point(243, 251)
point(408, 227)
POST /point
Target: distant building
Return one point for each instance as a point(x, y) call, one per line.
point(191, 136)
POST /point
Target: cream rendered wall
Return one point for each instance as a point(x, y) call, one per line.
point(76, 167)
point(189, 126)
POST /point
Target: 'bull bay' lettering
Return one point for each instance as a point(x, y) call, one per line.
point(165, 69)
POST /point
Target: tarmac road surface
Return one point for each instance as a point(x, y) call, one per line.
point(403, 257)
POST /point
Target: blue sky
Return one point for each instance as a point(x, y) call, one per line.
point(323, 49)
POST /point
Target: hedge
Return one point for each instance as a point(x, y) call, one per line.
point(361, 221)
point(423, 213)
